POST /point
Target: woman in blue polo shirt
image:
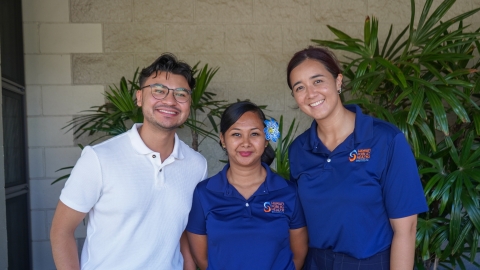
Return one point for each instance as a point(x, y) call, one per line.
point(357, 178)
point(246, 216)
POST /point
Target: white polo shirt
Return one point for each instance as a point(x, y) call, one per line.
point(137, 206)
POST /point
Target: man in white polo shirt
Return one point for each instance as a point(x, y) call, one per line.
point(136, 187)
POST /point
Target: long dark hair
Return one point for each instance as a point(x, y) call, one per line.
point(231, 115)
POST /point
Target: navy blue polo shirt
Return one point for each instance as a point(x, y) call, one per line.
point(246, 234)
point(349, 195)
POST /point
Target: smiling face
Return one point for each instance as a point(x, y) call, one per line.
point(245, 140)
point(315, 89)
point(167, 113)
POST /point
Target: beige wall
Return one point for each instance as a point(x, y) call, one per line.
point(75, 49)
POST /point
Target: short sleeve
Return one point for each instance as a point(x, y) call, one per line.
point(402, 190)
point(196, 219)
point(298, 218)
point(84, 186)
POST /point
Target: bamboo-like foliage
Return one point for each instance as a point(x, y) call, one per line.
point(426, 81)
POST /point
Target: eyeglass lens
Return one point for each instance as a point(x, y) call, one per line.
point(160, 91)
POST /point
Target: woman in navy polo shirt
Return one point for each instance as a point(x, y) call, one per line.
point(357, 178)
point(246, 216)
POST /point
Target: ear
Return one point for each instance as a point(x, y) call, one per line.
point(339, 81)
point(138, 95)
point(222, 139)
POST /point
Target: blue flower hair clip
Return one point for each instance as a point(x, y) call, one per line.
point(271, 130)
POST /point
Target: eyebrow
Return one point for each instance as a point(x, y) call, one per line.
point(313, 77)
point(240, 129)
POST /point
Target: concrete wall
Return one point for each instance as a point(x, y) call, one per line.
point(75, 49)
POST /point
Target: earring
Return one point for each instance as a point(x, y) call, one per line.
point(266, 145)
point(340, 91)
point(223, 146)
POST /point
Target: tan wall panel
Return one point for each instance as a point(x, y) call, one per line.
point(281, 11)
point(227, 11)
point(196, 38)
point(134, 37)
point(164, 11)
point(233, 67)
point(253, 38)
point(339, 11)
point(101, 11)
point(45, 11)
point(101, 68)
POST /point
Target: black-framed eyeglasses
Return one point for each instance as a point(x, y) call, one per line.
point(160, 91)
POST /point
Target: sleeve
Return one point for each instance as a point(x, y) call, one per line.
point(205, 173)
point(196, 219)
point(402, 190)
point(298, 218)
point(84, 186)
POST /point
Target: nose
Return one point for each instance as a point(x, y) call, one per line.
point(246, 141)
point(169, 98)
point(310, 91)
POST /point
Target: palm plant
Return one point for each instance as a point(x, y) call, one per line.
point(426, 81)
point(282, 166)
point(203, 101)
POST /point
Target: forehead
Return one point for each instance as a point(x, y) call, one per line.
point(167, 78)
point(248, 120)
point(309, 65)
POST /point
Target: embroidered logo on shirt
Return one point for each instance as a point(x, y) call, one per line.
point(274, 207)
point(360, 155)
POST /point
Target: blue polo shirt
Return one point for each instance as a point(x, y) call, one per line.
point(349, 195)
point(246, 234)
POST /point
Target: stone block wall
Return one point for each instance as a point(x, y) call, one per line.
point(75, 49)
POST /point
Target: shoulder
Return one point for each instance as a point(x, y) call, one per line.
point(191, 155)
point(387, 130)
point(385, 127)
point(112, 145)
point(300, 140)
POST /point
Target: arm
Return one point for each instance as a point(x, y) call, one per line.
point(188, 263)
point(403, 244)
point(64, 247)
point(299, 246)
point(198, 247)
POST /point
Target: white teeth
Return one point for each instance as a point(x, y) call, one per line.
point(317, 103)
point(169, 112)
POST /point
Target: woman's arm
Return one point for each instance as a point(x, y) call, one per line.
point(403, 244)
point(299, 246)
point(188, 262)
point(198, 247)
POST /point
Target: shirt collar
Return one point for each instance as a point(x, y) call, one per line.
point(219, 182)
point(142, 149)
point(363, 129)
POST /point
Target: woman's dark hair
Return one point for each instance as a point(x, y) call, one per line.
point(168, 63)
point(231, 115)
point(322, 55)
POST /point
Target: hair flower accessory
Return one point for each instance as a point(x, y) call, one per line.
point(271, 130)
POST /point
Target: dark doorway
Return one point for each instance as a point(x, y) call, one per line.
point(14, 135)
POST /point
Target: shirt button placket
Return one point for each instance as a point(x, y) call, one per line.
point(328, 163)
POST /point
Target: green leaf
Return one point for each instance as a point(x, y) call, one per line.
point(417, 104)
point(394, 69)
point(438, 112)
